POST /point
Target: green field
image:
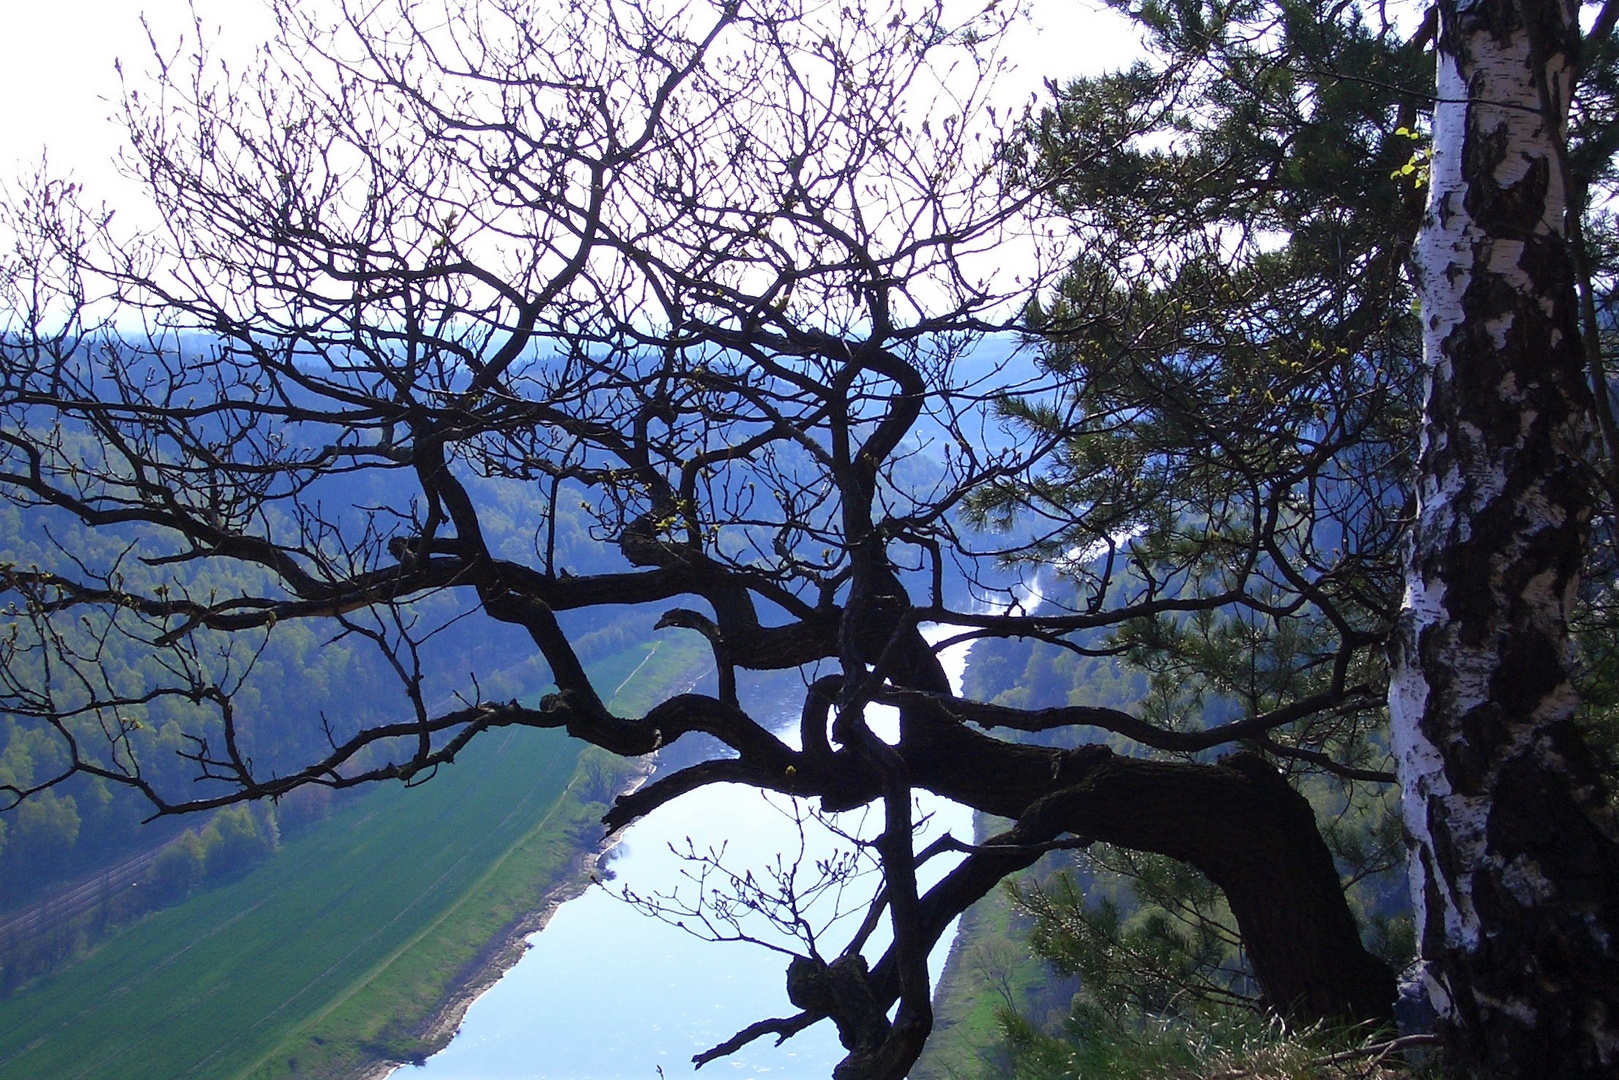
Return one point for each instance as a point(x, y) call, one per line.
point(990, 967)
point(339, 949)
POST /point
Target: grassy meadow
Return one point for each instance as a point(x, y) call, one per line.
point(340, 949)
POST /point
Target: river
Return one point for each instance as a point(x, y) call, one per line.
point(606, 992)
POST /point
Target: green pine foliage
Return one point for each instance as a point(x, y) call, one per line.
point(1220, 1044)
point(1142, 933)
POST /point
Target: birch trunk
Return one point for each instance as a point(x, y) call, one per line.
point(1514, 861)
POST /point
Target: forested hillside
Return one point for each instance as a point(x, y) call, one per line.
point(292, 691)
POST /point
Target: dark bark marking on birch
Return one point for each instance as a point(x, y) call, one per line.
point(1516, 862)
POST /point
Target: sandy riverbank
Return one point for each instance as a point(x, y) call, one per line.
point(501, 953)
point(508, 947)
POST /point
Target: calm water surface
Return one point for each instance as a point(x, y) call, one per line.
point(607, 993)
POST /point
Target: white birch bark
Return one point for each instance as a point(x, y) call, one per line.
point(1509, 830)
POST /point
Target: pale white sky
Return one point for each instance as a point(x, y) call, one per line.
point(58, 85)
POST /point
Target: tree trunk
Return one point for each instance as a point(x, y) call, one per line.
point(1243, 825)
point(1515, 866)
point(1239, 822)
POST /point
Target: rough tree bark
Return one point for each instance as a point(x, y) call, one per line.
point(1239, 822)
point(1515, 864)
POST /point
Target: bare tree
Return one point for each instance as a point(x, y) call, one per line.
point(705, 276)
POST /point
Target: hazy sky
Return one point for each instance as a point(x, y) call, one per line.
point(58, 85)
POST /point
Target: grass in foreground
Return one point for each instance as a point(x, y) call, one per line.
point(1215, 1044)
